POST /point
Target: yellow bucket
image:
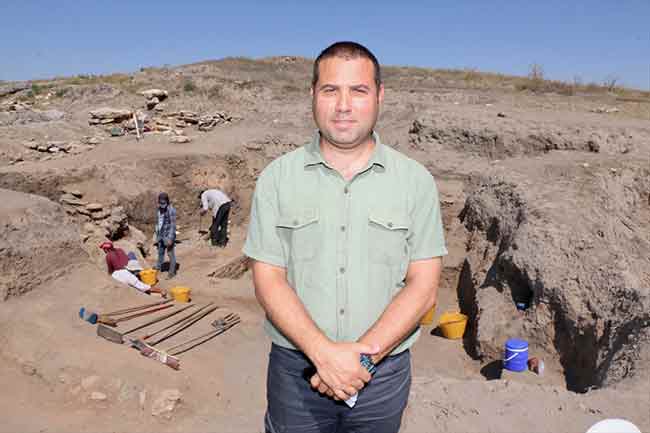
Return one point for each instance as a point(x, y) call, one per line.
point(427, 319)
point(149, 276)
point(180, 294)
point(452, 325)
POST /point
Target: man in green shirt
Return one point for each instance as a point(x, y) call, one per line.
point(346, 240)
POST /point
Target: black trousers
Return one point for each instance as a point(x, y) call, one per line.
point(219, 227)
point(294, 407)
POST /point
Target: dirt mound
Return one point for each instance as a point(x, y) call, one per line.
point(574, 256)
point(39, 242)
point(499, 136)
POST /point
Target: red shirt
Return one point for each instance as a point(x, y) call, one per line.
point(116, 259)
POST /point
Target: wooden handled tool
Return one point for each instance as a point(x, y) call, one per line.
point(178, 322)
point(221, 326)
point(107, 320)
point(169, 357)
point(118, 337)
point(92, 317)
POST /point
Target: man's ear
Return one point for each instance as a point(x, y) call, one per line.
point(311, 91)
point(380, 94)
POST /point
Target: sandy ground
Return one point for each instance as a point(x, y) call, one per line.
point(53, 362)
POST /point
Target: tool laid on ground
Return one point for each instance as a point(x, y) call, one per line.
point(220, 325)
point(185, 324)
point(106, 320)
point(93, 317)
point(178, 322)
point(118, 337)
point(169, 356)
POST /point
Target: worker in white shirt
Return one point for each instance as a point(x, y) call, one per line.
point(219, 203)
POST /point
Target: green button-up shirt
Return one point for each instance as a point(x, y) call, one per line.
point(346, 245)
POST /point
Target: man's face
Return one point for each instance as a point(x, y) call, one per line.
point(346, 101)
point(162, 205)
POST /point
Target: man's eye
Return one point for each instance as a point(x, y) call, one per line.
point(360, 91)
point(328, 90)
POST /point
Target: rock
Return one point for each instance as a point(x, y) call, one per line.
point(501, 114)
point(89, 228)
point(31, 145)
point(111, 114)
point(83, 211)
point(593, 146)
point(72, 200)
point(166, 402)
point(89, 382)
point(154, 93)
point(117, 225)
point(41, 148)
point(8, 89)
point(29, 370)
point(98, 396)
point(53, 149)
point(180, 139)
point(94, 207)
point(51, 115)
point(151, 103)
point(116, 131)
point(97, 216)
point(73, 192)
point(161, 107)
point(93, 140)
point(233, 269)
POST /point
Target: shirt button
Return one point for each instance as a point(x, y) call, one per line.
point(342, 228)
point(346, 190)
point(342, 311)
point(390, 224)
point(342, 270)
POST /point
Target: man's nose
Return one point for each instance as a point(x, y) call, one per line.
point(343, 101)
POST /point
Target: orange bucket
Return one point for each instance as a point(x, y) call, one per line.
point(180, 294)
point(427, 319)
point(452, 325)
point(149, 276)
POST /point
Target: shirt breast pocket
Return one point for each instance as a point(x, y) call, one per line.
point(300, 232)
point(388, 232)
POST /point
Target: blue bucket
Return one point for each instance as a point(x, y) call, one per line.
point(516, 355)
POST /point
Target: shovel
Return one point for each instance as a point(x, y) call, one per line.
point(202, 231)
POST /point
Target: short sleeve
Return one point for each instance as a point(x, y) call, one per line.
point(427, 239)
point(204, 201)
point(262, 241)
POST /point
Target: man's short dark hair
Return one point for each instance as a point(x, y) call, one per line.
point(347, 50)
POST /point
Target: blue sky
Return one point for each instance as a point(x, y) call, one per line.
point(593, 40)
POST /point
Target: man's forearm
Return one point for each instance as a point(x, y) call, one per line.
point(403, 314)
point(285, 310)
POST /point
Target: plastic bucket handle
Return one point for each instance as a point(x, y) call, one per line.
point(516, 352)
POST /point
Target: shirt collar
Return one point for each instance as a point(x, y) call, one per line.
point(314, 156)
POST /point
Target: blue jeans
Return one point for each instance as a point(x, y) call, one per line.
point(161, 257)
point(294, 407)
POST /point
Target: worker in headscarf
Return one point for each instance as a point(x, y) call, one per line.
point(166, 233)
point(122, 268)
